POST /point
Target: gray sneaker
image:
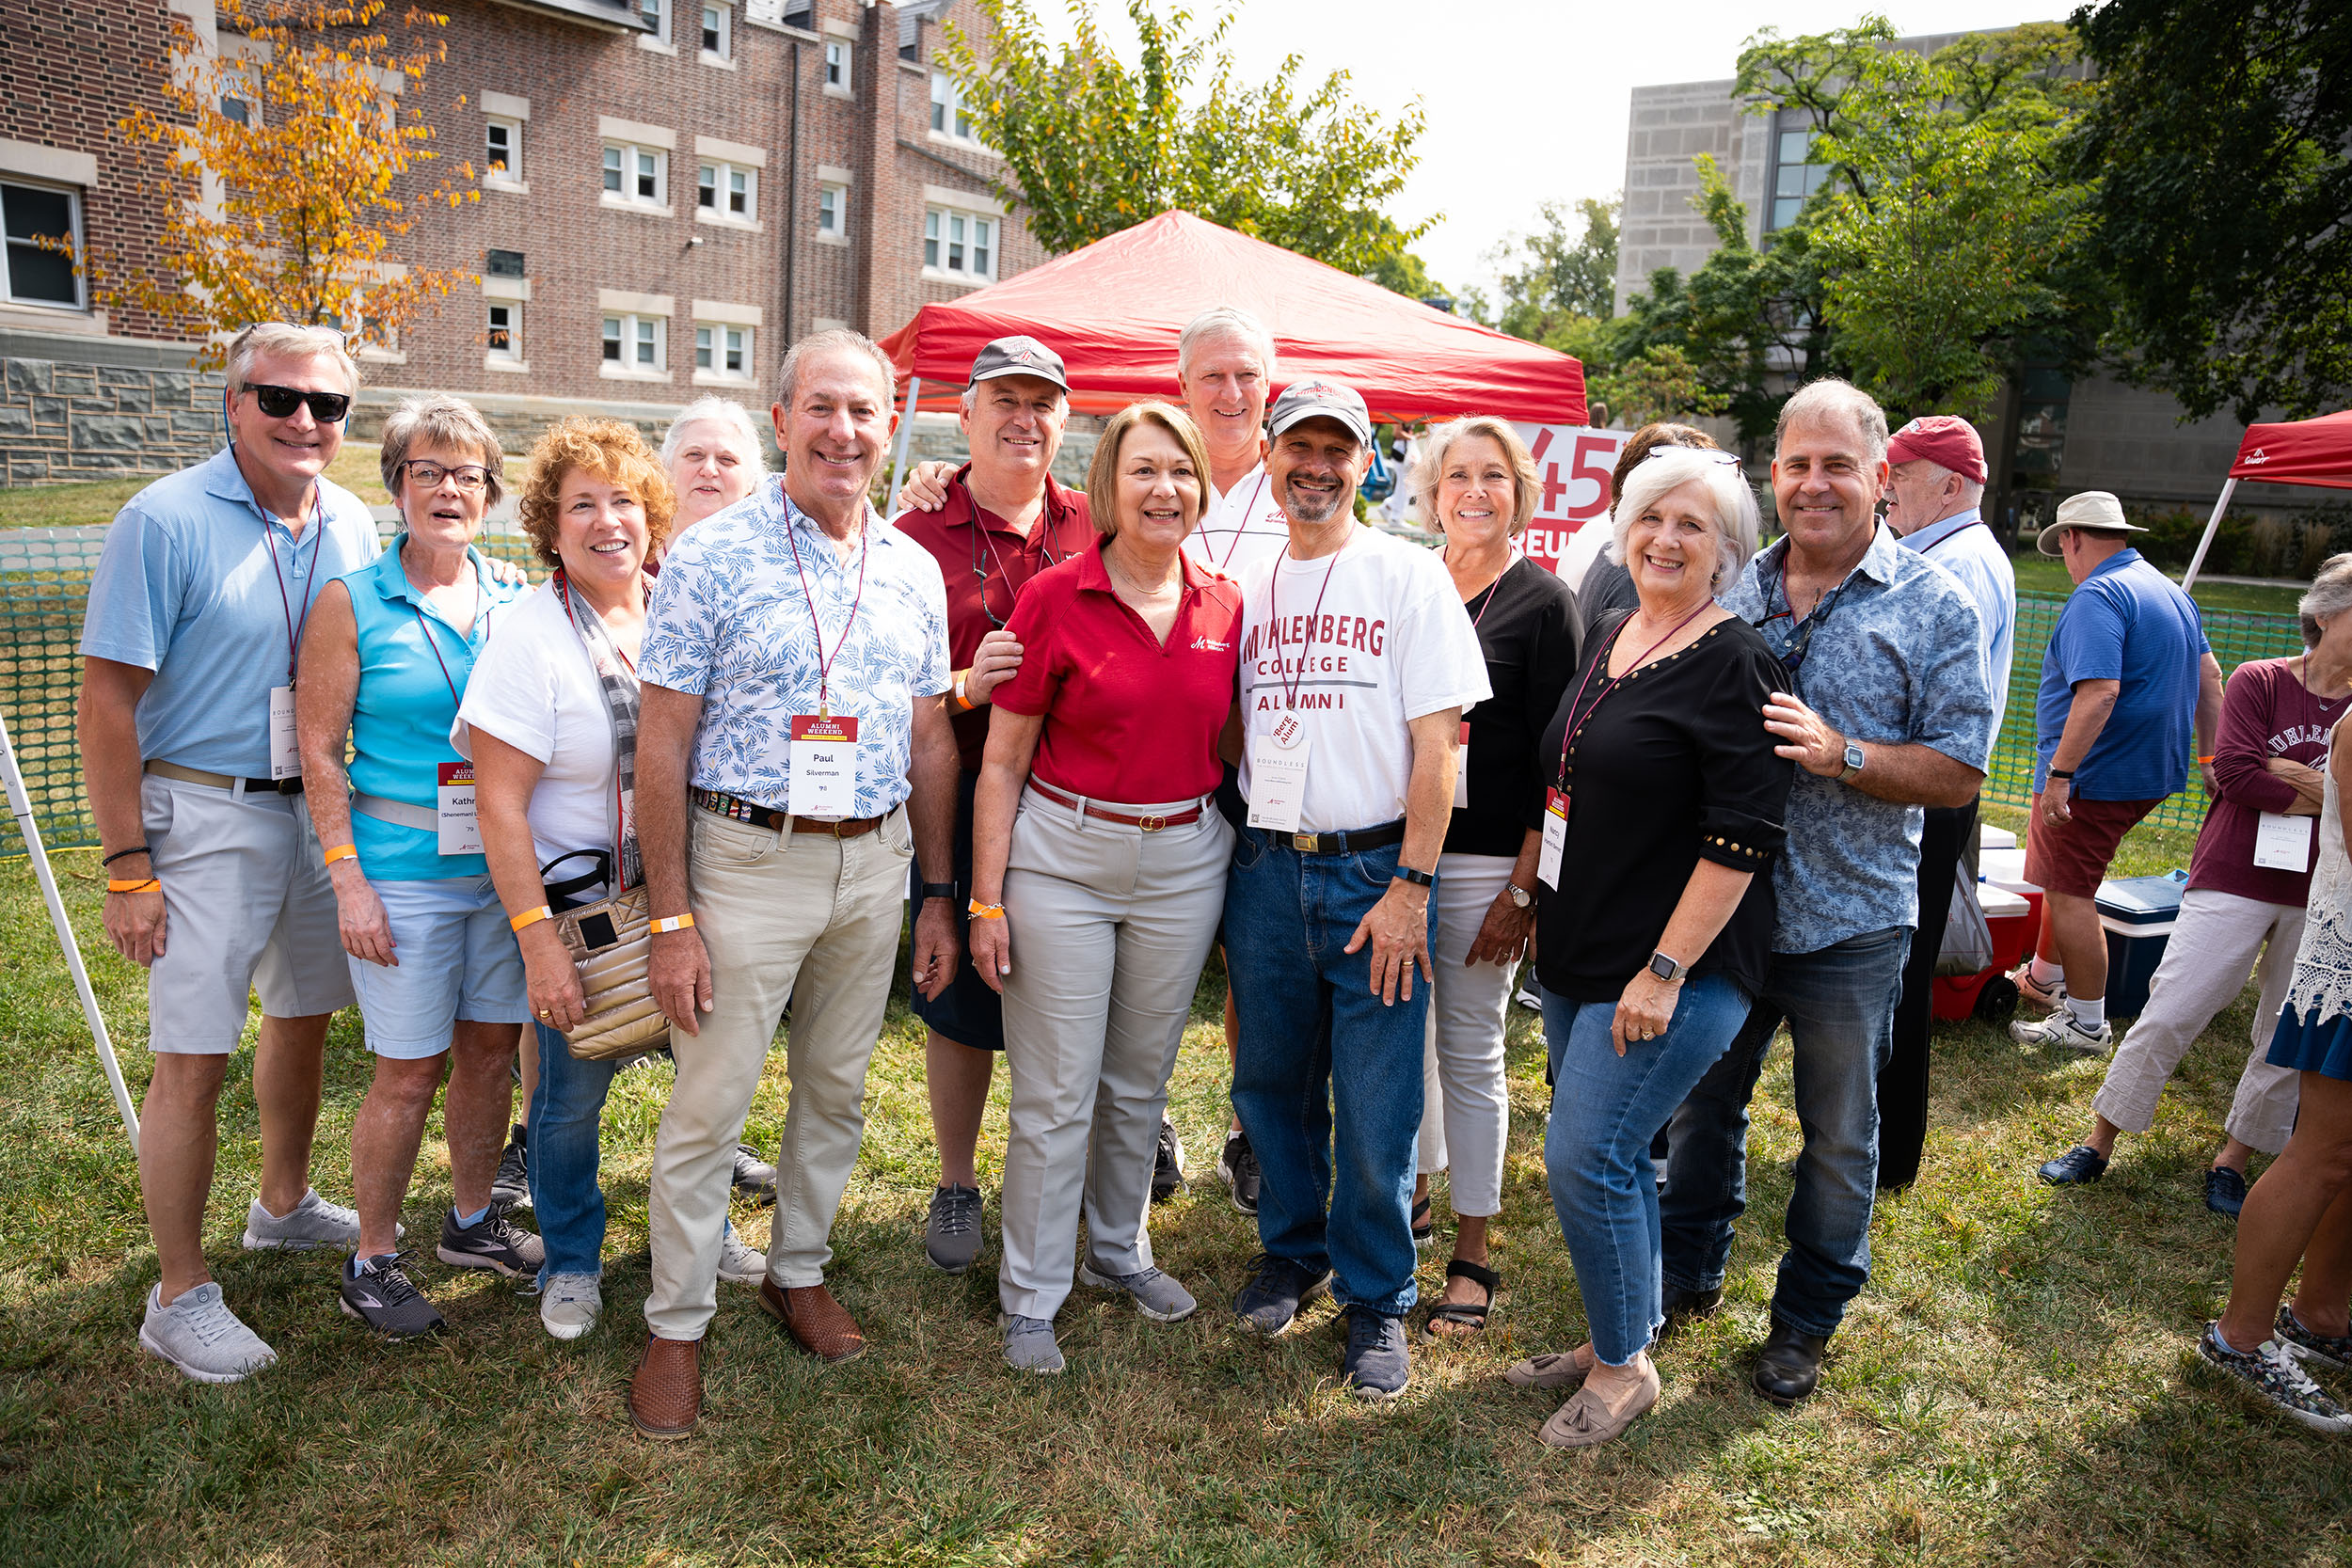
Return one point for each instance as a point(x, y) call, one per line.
point(1156, 1295)
point(2059, 1032)
point(738, 1262)
point(951, 1236)
point(198, 1334)
point(496, 1243)
point(383, 1297)
point(313, 1223)
point(1029, 1345)
point(569, 1305)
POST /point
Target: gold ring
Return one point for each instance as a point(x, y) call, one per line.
point(547, 1012)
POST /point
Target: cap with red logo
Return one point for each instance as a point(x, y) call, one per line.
point(1320, 399)
point(1020, 357)
point(1946, 440)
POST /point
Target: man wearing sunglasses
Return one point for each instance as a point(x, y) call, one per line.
point(215, 880)
point(1886, 711)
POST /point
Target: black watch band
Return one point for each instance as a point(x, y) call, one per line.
point(2066, 774)
point(939, 889)
point(1419, 879)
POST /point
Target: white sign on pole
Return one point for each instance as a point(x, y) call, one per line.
point(1572, 467)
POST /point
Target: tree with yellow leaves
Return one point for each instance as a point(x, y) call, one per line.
point(283, 197)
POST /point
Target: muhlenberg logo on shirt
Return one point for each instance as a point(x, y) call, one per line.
point(1204, 643)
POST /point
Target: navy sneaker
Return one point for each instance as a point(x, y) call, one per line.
point(2225, 1191)
point(2077, 1167)
point(1237, 1167)
point(1378, 1365)
point(511, 1186)
point(1277, 1287)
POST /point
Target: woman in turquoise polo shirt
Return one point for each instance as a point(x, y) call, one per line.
point(439, 979)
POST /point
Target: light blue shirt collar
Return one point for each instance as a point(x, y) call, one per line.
point(1935, 533)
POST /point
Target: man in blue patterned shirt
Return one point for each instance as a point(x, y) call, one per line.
point(795, 659)
point(1886, 711)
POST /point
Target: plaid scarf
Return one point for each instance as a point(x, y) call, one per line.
point(617, 678)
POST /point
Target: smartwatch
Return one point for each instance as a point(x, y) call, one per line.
point(1521, 897)
point(939, 889)
point(1853, 761)
point(1667, 969)
point(1419, 879)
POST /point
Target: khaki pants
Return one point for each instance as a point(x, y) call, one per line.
point(1110, 925)
point(2204, 967)
point(805, 919)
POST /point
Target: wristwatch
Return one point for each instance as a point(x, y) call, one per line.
point(1667, 969)
point(939, 889)
point(1419, 879)
point(1853, 761)
point(1521, 897)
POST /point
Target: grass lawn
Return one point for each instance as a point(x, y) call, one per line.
point(2041, 573)
point(2016, 1386)
point(98, 500)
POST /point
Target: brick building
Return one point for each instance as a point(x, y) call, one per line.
point(671, 191)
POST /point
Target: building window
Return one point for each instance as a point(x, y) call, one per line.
point(717, 23)
point(634, 343)
point(656, 15)
point(506, 330)
point(724, 350)
point(36, 217)
point(236, 109)
point(838, 65)
point(636, 175)
point(962, 245)
point(724, 191)
point(950, 117)
point(504, 153)
point(501, 263)
point(833, 210)
point(1793, 178)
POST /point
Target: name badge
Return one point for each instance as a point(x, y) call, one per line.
point(2283, 843)
point(1461, 771)
point(286, 751)
point(1278, 776)
point(453, 810)
point(1556, 839)
point(824, 765)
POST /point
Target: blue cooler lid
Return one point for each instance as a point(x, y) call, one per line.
point(2144, 900)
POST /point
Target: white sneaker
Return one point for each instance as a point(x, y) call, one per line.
point(740, 1264)
point(198, 1334)
point(2060, 1031)
point(313, 1223)
point(569, 1305)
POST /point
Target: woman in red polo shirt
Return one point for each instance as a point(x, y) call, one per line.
point(1098, 855)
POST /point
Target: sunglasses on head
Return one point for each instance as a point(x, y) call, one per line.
point(279, 402)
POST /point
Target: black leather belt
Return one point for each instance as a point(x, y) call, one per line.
point(1342, 844)
point(222, 781)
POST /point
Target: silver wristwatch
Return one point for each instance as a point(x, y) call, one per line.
point(1667, 969)
point(1521, 898)
point(1853, 761)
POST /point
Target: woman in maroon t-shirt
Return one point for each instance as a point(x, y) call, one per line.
point(2265, 779)
point(1098, 871)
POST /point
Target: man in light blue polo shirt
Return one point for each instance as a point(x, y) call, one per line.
point(214, 879)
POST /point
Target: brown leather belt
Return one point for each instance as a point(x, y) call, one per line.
point(222, 781)
point(1149, 824)
point(736, 809)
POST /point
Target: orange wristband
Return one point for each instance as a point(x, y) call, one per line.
point(149, 885)
point(530, 918)
point(343, 852)
point(963, 703)
point(673, 923)
point(2203, 761)
point(987, 912)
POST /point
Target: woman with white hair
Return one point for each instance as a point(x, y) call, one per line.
point(714, 454)
point(1662, 813)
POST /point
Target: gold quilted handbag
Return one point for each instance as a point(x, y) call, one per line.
point(610, 942)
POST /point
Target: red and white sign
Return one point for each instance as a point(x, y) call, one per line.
point(1572, 466)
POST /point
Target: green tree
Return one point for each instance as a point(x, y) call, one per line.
point(1092, 145)
point(1659, 383)
point(2224, 197)
point(1553, 275)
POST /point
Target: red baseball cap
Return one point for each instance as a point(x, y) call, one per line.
point(1946, 440)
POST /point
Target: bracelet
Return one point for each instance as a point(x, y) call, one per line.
point(530, 918)
point(105, 861)
point(1419, 879)
point(150, 885)
point(939, 889)
point(987, 912)
point(343, 852)
point(669, 922)
point(2205, 761)
point(963, 703)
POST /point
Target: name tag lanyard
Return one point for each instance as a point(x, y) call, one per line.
point(1292, 681)
point(620, 687)
point(1576, 724)
point(285, 746)
point(1277, 759)
point(982, 538)
point(815, 623)
point(1256, 494)
point(1461, 772)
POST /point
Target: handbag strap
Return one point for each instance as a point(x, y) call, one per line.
point(561, 891)
point(617, 679)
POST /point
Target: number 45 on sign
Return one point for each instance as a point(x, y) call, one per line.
point(1572, 465)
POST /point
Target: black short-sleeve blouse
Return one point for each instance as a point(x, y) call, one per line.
point(1672, 765)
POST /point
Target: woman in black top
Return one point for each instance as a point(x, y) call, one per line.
point(1478, 481)
point(1665, 800)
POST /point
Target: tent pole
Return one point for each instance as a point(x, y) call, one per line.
point(2213, 526)
point(906, 433)
point(21, 807)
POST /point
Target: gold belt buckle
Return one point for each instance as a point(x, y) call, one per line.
point(1303, 843)
point(1152, 824)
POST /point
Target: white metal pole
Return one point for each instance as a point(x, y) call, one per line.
point(906, 431)
point(21, 807)
point(2213, 526)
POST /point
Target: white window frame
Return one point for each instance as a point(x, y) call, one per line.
point(951, 252)
point(659, 11)
point(719, 178)
point(950, 121)
point(633, 331)
point(632, 173)
point(720, 342)
point(839, 54)
point(511, 176)
point(512, 353)
point(75, 217)
point(725, 54)
point(837, 233)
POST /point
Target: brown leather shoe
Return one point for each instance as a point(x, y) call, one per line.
point(816, 1322)
point(665, 1397)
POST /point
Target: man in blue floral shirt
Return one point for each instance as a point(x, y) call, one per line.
point(793, 752)
point(1886, 711)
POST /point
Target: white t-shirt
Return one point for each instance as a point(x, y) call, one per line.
point(1240, 528)
point(533, 687)
point(1390, 643)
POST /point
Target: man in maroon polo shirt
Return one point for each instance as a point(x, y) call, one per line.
point(1004, 520)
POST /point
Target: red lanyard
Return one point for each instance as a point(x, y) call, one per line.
point(816, 624)
point(434, 644)
point(1567, 737)
point(1274, 617)
point(1480, 616)
point(294, 628)
point(1248, 512)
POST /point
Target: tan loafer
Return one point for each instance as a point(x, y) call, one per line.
point(1555, 1369)
point(1586, 1423)
point(816, 1322)
point(665, 1397)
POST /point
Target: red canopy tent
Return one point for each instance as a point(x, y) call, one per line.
point(1113, 310)
point(2308, 452)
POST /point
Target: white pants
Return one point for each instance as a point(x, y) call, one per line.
point(2203, 969)
point(1466, 1114)
point(1110, 925)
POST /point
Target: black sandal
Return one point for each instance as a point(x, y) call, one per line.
point(1425, 1221)
point(1472, 1318)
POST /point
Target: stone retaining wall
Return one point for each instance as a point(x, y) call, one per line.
point(65, 420)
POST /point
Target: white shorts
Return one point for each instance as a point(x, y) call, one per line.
point(458, 959)
point(247, 908)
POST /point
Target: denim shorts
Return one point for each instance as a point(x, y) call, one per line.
point(458, 961)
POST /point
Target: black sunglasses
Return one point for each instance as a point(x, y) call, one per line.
point(279, 402)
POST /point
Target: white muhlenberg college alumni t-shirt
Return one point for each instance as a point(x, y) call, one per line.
point(1240, 528)
point(1390, 643)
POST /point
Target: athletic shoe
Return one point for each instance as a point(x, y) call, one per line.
point(1167, 1163)
point(198, 1334)
point(1378, 1365)
point(385, 1299)
point(1237, 1167)
point(313, 1223)
point(2333, 1348)
point(2077, 1167)
point(496, 1243)
point(2274, 1376)
point(755, 1177)
point(1277, 1287)
point(951, 1235)
point(512, 1184)
point(741, 1264)
point(1156, 1295)
point(2060, 1031)
point(1029, 1344)
point(2225, 1191)
point(570, 1304)
point(2050, 997)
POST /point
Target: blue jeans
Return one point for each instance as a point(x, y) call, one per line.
point(1326, 1078)
point(1841, 1007)
point(1604, 1109)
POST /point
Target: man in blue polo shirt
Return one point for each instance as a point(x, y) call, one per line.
point(216, 883)
point(2127, 673)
